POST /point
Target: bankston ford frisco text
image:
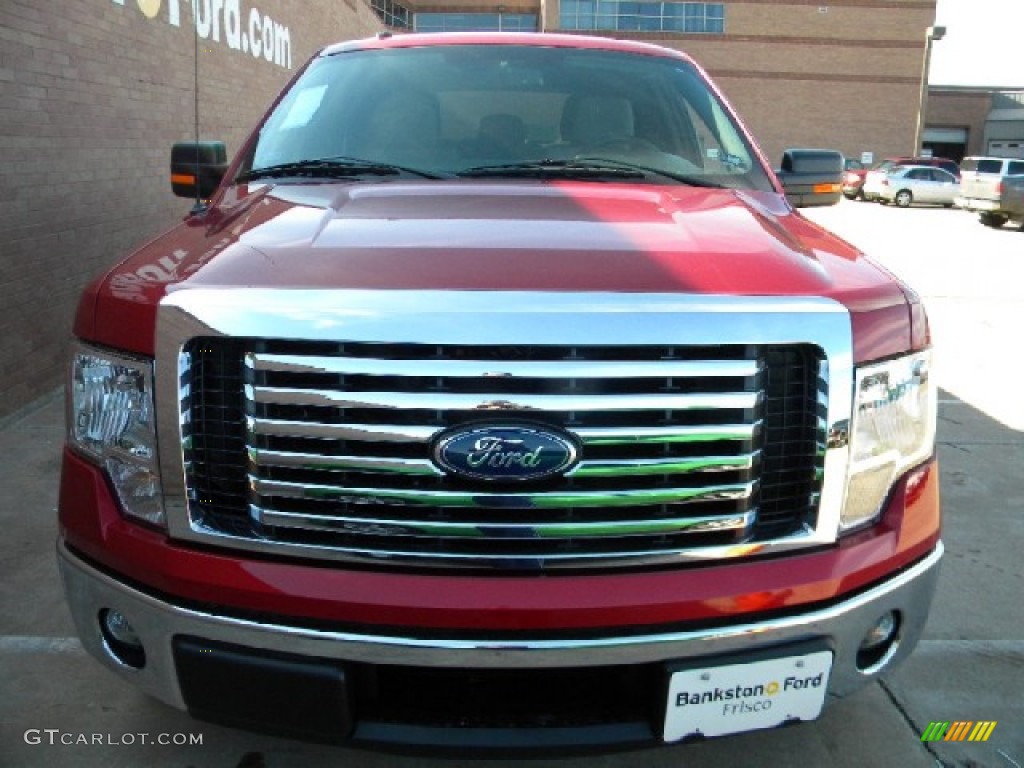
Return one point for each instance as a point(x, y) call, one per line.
point(224, 20)
point(738, 693)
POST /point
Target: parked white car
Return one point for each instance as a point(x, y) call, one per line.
point(909, 184)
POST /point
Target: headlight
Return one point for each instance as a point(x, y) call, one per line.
point(893, 429)
point(111, 420)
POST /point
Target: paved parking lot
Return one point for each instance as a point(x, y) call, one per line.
point(969, 667)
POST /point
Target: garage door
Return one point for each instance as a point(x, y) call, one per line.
point(1006, 149)
point(945, 135)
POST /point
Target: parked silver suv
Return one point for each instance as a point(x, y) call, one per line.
point(981, 187)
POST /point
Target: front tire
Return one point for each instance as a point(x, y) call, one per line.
point(904, 198)
point(993, 220)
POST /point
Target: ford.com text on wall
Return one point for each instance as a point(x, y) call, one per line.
point(224, 21)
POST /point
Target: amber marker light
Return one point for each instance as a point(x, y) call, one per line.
point(182, 178)
point(824, 189)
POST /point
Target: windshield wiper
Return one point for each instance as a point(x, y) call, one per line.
point(690, 181)
point(330, 167)
point(584, 168)
point(565, 169)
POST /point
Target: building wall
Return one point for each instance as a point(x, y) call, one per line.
point(92, 95)
point(841, 74)
point(1004, 128)
point(961, 109)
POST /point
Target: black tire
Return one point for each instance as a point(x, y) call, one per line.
point(903, 198)
point(993, 220)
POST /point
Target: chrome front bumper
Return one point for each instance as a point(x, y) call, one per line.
point(157, 622)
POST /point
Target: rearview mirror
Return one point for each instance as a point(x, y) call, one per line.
point(811, 177)
point(197, 168)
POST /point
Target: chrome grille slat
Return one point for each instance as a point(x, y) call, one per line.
point(488, 530)
point(476, 499)
point(516, 369)
point(389, 433)
point(513, 401)
point(638, 467)
point(321, 463)
point(397, 433)
point(660, 435)
point(426, 468)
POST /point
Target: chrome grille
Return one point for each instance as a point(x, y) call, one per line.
point(328, 446)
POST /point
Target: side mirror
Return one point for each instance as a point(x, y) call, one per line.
point(197, 168)
point(811, 177)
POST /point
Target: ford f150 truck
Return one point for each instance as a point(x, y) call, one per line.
point(498, 397)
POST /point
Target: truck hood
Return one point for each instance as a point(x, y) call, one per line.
point(486, 235)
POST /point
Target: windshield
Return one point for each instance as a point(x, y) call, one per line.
point(508, 110)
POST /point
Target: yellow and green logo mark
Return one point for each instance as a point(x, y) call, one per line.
point(958, 730)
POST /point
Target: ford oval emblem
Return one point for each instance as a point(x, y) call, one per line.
point(505, 453)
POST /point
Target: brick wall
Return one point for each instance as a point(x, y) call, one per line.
point(964, 109)
point(92, 95)
point(843, 74)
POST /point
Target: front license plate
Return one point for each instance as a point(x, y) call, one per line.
point(714, 701)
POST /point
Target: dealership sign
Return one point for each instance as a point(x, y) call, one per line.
point(224, 21)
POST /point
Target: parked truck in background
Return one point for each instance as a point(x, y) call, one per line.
point(985, 189)
point(1013, 198)
point(497, 397)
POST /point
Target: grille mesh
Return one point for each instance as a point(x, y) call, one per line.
point(323, 445)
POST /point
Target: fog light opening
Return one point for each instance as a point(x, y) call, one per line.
point(879, 643)
point(121, 639)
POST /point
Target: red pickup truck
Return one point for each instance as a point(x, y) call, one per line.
point(496, 397)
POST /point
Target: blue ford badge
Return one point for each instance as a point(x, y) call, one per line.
point(509, 452)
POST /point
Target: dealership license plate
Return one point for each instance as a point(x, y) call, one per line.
point(714, 701)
